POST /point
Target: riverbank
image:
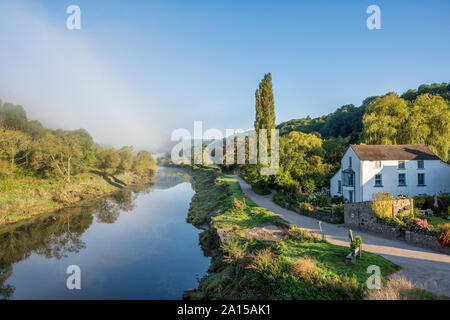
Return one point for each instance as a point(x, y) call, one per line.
point(258, 255)
point(23, 198)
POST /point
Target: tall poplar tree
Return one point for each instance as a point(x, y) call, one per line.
point(265, 106)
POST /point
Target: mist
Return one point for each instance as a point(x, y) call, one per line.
point(63, 80)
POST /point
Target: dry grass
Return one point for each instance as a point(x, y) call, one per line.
point(398, 288)
point(306, 268)
point(261, 259)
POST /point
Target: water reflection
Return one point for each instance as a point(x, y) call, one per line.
point(60, 235)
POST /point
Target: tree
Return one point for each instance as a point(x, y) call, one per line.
point(12, 116)
point(60, 153)
point(144, 164)
point(108, 160)
point(13, 142)
point(265, 106)
point(385, 121)
point(126, 159)
point(429, 123)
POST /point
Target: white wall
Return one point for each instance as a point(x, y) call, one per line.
point(437, 178)
point(334, 184)
point(356, 166)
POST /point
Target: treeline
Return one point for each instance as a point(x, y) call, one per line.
point(417, 108)
point(27, 148)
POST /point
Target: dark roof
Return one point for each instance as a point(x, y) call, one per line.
point(394, 152)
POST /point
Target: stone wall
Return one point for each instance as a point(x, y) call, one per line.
point(359, 215)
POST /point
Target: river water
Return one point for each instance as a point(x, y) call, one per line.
point(135, 244)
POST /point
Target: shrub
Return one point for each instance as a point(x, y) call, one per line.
point(420, 200)
point(444, 235)
point(305, 207)
point(339, 210)
point(238, 205)
point(382, 204)
point(419, 224)
point(318, 199)
point(444, 238)
point(356, 242)
point(234, 250)
point(261, 260)
point(261, 188)
point(302, 235)
point(430, 205)
point(337, 200)
point(308, 185)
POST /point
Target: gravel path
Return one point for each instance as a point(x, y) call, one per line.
point(425, 268)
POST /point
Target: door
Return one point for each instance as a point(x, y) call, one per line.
point(350, 196)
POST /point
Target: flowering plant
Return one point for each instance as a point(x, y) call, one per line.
point(419, 224)
point(444, 238)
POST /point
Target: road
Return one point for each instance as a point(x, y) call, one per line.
point(427, 269)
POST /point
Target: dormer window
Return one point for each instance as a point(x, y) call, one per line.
point(401, 164)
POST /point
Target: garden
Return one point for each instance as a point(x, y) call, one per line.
point(413, 219)
point(315, 205)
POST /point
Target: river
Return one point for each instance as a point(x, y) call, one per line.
point(134, 244)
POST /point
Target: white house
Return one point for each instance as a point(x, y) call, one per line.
point(406, 170)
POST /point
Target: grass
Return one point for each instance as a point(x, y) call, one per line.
point(25, 197)
point(298, 265)
point(236, 190)
point(399, 288)
point(438, 221)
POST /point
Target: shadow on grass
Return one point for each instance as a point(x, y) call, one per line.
point(110, 179)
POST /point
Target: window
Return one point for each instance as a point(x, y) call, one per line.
point(350, 179)
point(401, 179)
point(378, 180)
point(349, 162)
point(401, 164)
point(420, 164)
point(339, 186)
point(377, 164)
point(421, 179)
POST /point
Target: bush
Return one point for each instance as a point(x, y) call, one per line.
point(382, 204)
point(305, 207)
point(356, 242)
point(419, 224)
point(420, 200)
point(339, 211)
point(444, 238)
point(318, 199)
point(261, 188)
point(337, 200)
point(238, 205)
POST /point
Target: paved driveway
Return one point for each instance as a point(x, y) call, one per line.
point(426, 268)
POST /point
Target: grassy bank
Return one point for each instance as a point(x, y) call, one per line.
point(23, 198)
point(260, 256)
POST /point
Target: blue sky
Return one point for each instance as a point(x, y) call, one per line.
point(137, 70)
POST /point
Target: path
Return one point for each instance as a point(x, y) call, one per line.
point(426, 268)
